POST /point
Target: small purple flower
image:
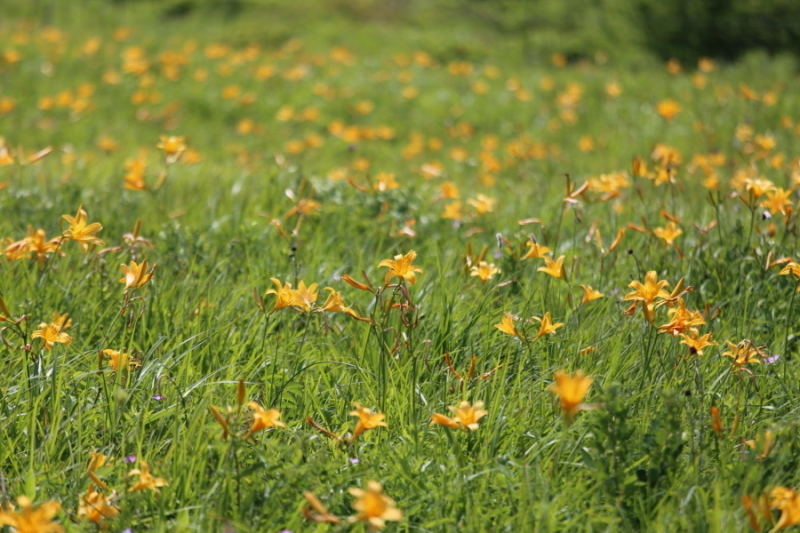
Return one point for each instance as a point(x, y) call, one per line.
point(130, 459)
point(354, 460)
point(771, 359)
point(286, 531)
point(336, 277)
point(612, 292)
point(128, 530)
point(158, 397)
point(497, 255)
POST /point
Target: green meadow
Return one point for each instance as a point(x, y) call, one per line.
point(390, 269)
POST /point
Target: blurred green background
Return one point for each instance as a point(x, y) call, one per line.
point(626, 31)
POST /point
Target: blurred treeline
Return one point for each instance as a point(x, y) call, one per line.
point(621, 29)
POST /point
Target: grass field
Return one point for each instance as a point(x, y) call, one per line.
point(240, 162)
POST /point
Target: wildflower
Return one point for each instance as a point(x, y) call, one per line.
point(284, 295)
point(506, 325)
point(682, 319)
point(30, 519)
point(335, 304)
point(173, 147)
point(778, 201)
point(452, 211)
point(62, 320)
point(536, 250)
point(716, 421)
point(668, 109)
point(304, 296)
point(136, 275)
point(553, 268)
point(466, 416)
point(589, 294)
point(304, 206)
point(374, 507)
point(263, 419)
point(322, 512)
point(50, 335)
point(96, 507)
point(742, 354)
point(484, 271)
point(758, 186)
point(366, 420)
point(38, 244)
point(571, 390)
point(668, 234)
point(788, 502)
point(483, 204)
point(446, 421)
point(793, 269)
point(697, 342)
point(646, 294)
point(146, 479)
point(385, 181)
point(401, 267)
point(546, 325)
point(119, 360)
point(766, 442)
point(81, 232)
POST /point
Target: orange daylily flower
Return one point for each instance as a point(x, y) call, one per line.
point(50, 335)
point(546, 325)
point(136, 275)
point(29, 519)
point(373, 506)
point(366, 420)
point(146, 479)
point(571, 390)
point(81, 232)
point(263, 419)
point(646, 293)
point(401, 267)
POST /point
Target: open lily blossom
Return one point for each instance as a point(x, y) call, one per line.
point(136, 275)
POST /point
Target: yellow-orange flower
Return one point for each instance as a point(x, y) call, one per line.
point(484, 271)
point(50, 335)
point(589, 294)
point(553, 268)
point(536, 251)
point(334, 303)
point(263, 419)
point(546, 325)
point(668, 234)
point(146, 479)
point(366, 420)
point(697, 342)
point(172, 146)
point(284, 294)
point(743, 353)
point(119, 360)
point(136, 275)
point(96, 507)
point(466, 416)
point(373, 506)
point(787, 501)
point(401, 267)
point(29, 519)
point(81, 232)
point(668, 109)
point(571, 390)
point(304, 297)
point(506, 325)
point(647, 292)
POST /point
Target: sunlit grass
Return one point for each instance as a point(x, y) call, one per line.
point(435, 197)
